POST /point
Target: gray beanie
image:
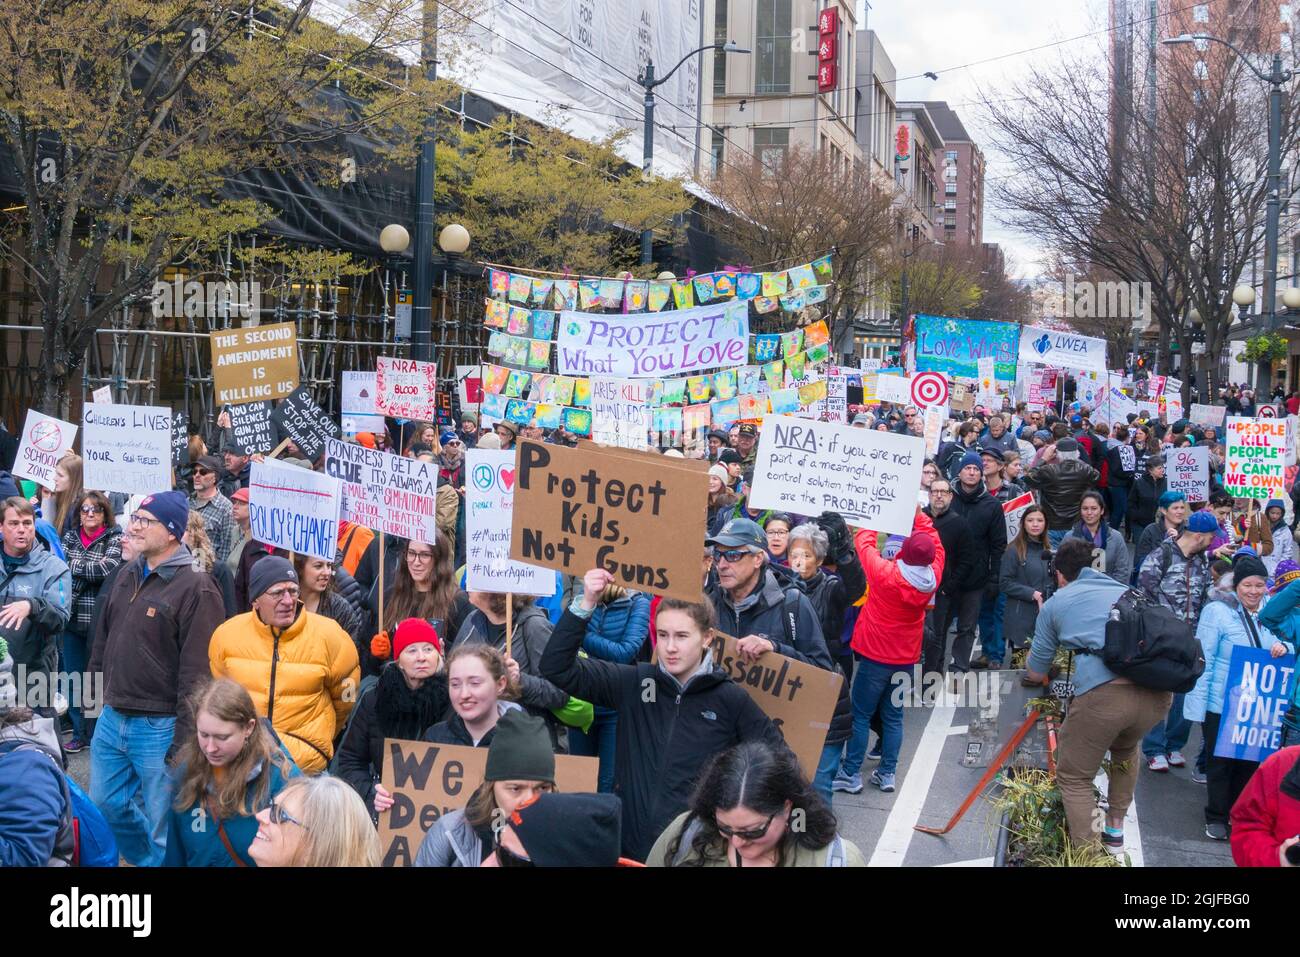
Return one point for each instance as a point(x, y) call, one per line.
point(269, 571)
point(520, 749)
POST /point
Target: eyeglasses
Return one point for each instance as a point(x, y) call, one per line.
point(280, 816)
point(753, 834)
point(141, 519)
point(732, 555)
point(202, 471)
point(91, 509)
point(420, 556)
point(280, 594)
point(939, 491)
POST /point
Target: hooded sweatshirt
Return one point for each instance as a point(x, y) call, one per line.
point(891, 625)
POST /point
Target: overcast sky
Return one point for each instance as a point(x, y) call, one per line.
point(940, 35)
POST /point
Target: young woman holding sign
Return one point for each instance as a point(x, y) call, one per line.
point(672, 716)
point(424, 586)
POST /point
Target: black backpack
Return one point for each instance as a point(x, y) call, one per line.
point(1150, 645)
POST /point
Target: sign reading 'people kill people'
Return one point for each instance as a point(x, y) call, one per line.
point(254, 363)
point(869, 477)
point(627, 512)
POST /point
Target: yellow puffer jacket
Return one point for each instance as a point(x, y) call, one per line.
point(309, 674)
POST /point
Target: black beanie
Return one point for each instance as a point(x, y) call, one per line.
point(1245, 567)
point(570, 830)
point(520, 749)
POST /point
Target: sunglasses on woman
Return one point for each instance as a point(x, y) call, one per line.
point(752, 834)
point(280, 816)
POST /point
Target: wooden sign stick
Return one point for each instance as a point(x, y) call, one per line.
point(279, 448)
point(381, 580)
point(510, 620)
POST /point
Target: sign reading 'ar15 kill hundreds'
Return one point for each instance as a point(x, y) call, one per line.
point(578, 509)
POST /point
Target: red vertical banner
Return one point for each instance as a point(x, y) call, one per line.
point(828, 29)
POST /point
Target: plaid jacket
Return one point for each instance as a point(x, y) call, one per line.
point(219, 520)
point(89, 567)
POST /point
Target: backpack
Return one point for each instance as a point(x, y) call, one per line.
point(1150, 645)
point(84, 838)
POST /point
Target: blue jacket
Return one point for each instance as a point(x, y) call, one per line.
point(615, 632)
point(32, 802)
point(1281, 616)
point(1220, 628)
point(193, 839)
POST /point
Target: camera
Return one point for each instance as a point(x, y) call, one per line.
point(1293, 854)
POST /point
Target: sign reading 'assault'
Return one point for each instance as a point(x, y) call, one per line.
point(578, 509)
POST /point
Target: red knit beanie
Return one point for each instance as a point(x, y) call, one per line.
point(917, 550)
point(412, 631)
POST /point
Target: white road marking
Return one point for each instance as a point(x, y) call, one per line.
point(894, 841)
point(977, 862)
point(958, 729)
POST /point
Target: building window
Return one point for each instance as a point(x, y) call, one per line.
point(715, 151)
point(950, 156)
point(950, 206)
point(771, 145)
point(774, 41)
point(1201, 13)
point(1201, 44)
point(719, 58)
point(950, 189)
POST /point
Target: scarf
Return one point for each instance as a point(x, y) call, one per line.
point(88, 540)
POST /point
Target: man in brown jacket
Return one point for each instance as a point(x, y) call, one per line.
point(151, 646)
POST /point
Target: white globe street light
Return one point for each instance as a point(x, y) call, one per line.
point(1291, 298)
point(394, 239)
point(454, 238)
point(1243, 296)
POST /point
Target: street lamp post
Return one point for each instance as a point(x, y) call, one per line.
point(649, 82)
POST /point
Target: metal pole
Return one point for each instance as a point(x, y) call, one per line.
point(1273, 210)
point(902, 319)
point(425, 170)
point(648, 140)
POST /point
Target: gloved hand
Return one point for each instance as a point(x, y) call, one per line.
point(837, 533)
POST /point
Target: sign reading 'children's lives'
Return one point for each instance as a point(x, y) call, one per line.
point(871, 478)
point(578, 509)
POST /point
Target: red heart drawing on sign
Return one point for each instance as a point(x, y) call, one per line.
point(508, 478)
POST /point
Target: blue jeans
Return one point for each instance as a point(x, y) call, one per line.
point(75, 657)
point(991, 640)
point(130, 783)
point(1118, 505)
point(1056, 537)
point(598, 742)
point(826, 769)
point(873, 688)
point(1170, 734)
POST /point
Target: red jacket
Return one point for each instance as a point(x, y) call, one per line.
point(1264, 816)
point(892, 622)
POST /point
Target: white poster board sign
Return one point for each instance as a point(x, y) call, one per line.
point(126, 448)
point(489, 506)
point(357, 404)
point(837, 395)
point(869, 477)
point(294, 508)
point(1208, 414)
point(45, 440)
point(1188, 472)
point(620, 412)
point(894, 388)
point(1012, 512)
point(935, 417)
point(385, 492)
point(406, 388)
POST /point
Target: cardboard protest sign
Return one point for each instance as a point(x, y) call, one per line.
point(1207, 414)
point(45, 440)
point(1189, 472)
point(798, 697)
point(1012, 512)
point(869, 477)
point(430, 780)
point(1255, 465)
point(357, 403)
point(254, 363)
point(385, 492)
point(489, 505)
point(306, 423)
point(620, 412)
point(180, 439)
point(584, 508)
point(405, 388)
point(469, 387)
point(294, 508)
point(252, 427)
point(126, 448)
point(1256, 696)
point(654, 345)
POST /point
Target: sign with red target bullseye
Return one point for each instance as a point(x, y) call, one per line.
point(929, 388)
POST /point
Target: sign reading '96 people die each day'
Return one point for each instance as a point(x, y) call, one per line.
point(869, 477)
point(126, 448)
point(1255, 466)
point(385, 492)
point(254, 363)
point(578, 509)
point(406, 389)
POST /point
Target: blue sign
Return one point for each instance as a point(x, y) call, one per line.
point(955, 346)
point(1257, 695)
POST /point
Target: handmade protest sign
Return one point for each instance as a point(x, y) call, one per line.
point(954, 346)
point(45, 440)
point(430, 780)
point(1013, 511)
point(1255, 465)
point(385, 492)
point(894, 388)
point(1207, 414)
point(294, 508)
point(405, 388)
point(620, 412)
point(652, 345)
point(798, 697)
point(1256, 696)
point(1189, 472)
point(1062, 348)
point(1173, 407)
point(837, 395)
point(1120, 405)
point(357, 403)
point(103, 395)
point(252, 428)
point(126, 448)
point(869, 477)
point(180, 439)
point(254, 363)
point(489, 504)
point(469, 387)
point(591, 507)
point(306, 423)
